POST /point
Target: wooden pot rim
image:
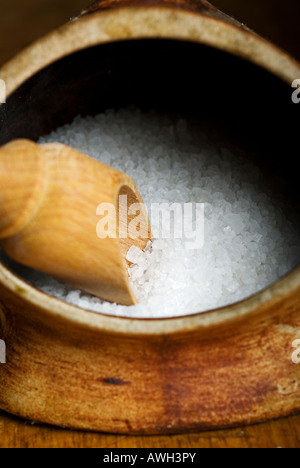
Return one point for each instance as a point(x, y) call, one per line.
point(149, 22)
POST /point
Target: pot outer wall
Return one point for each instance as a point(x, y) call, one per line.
point(69, 375)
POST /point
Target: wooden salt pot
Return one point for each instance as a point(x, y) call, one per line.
point(227, 367)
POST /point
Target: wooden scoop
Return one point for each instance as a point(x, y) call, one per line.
point(49, 195)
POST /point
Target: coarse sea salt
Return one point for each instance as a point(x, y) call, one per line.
point(251, 236)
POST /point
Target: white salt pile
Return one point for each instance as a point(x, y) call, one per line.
point(250, 240)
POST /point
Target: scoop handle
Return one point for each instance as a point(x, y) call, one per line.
point(21, 180)
point(49, 199)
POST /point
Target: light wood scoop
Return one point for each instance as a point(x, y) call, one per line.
point(49, 196)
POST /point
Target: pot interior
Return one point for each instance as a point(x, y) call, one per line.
point(249, 108)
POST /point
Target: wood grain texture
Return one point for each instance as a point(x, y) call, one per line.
point(16, 433)
point(73, 368)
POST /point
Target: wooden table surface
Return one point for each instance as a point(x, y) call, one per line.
point(15, 433)
point(22, 21)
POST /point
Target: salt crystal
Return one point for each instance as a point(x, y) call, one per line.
point(136, 256)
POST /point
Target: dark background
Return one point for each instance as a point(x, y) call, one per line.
point(23, 21)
